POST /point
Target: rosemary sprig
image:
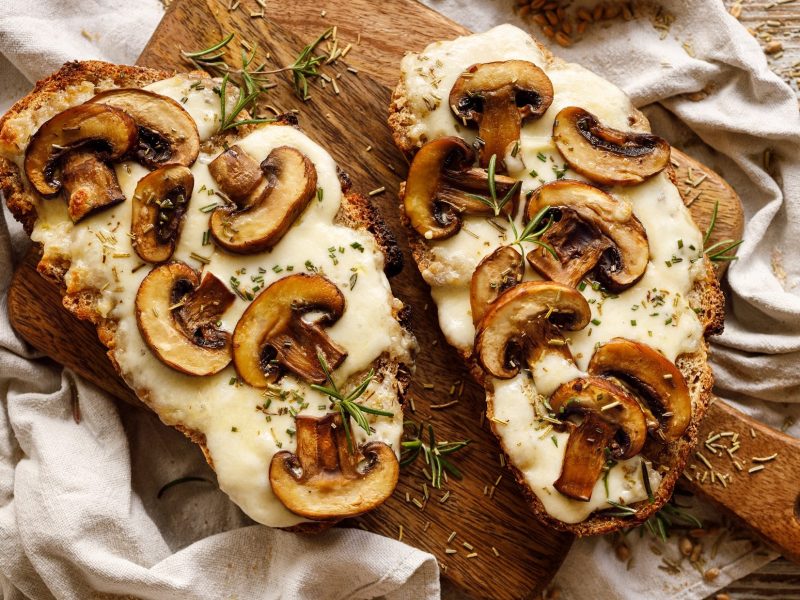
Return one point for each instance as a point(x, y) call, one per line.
point(305, 66)
point(346, 403)
point(493, 202)
point(718, 252)
point(533, 231)
point(669, 516)
point(434, 452)
point(252, 81)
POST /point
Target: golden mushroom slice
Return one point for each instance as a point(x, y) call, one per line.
point(273, 335)
point(610, 421)
point(442, 186)
point(606, 155)
point(177, 316)
point(593, 231)
point(323, 480)
point(267, 198)
point(159, 205)
point(89, 184)
point(653, 378)
point(498, 97)
point(92, 127)
point(509, 337)
point(497, 272)
point(167, 133)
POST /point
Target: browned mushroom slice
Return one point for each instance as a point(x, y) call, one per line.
point(498, 97)
point(441, 185)
point(103, 129)
point(265, 208)
point(610, 421)
point(167, 133)
point(89, 184)
point(509, 336)
point(497, 272)
point(159, 205)
point(177, 316)
point(323, 480)
point(606, 155)
point(599, 233)
point(654, 378)
point(273, 335)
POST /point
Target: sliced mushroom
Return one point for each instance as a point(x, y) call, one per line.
point(265, 208)
point(606, 155)
point(498, 97)
point(610, 422)
point(509, 336)
point(159, 205)
point(652, 377)
point(441, 185)
point(167, 133)
point(497, 272)
point(324, 480)
point(89, 184)
point(273, 335)
point(599, 232)
point(178, 314)
point(105, 130)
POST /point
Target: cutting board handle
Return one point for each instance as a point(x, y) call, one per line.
point(768, 498)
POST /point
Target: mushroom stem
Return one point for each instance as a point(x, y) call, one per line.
point(89, 184)
point(499, 127)
point(584, 457)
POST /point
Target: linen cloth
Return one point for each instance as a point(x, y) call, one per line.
point(78, 510)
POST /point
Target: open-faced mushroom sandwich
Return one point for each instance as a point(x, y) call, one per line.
point(240, 287)
point(566, 270)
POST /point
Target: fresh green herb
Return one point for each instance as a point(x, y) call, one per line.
point(346, 403)
point(320, 194)
point(493, 202)
point(620, 510)
point(434, 452)
point(179, 481)
point(719, 251)
point(670, 515)
point(646, 481)
point(209, 207)
point(305, 67)
point(357, 246)
point(251, 81)
point(541, 156)
point(533, 231)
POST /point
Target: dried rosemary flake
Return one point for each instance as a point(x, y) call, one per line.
point(756, 469)
point(761, 459)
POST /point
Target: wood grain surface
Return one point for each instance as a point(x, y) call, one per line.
point(529, 553)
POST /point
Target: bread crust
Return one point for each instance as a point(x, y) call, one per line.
point(706, 298)
point(74, 83)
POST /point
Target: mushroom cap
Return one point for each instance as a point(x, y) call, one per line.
point(652, 376)
point(525, 84)
point(497, 272)
point(167, 132)
point(176, 314)
point(108, 131)
point(619, 266)
point(441, 186)
point(323, 479)
point(89, 184)
point(158, 208)
point(611, 418)
point(288, 183)
point(498, 96)
point(606, 155)
point(512, 321)
point(272, 334)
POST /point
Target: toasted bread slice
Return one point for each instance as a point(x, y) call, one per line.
point(419, 113)
point(66, 263)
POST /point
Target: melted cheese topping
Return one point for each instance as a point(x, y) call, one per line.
point(655, 311)
point(241, 433)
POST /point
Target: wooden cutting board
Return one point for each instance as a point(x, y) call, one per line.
point(484, 509)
